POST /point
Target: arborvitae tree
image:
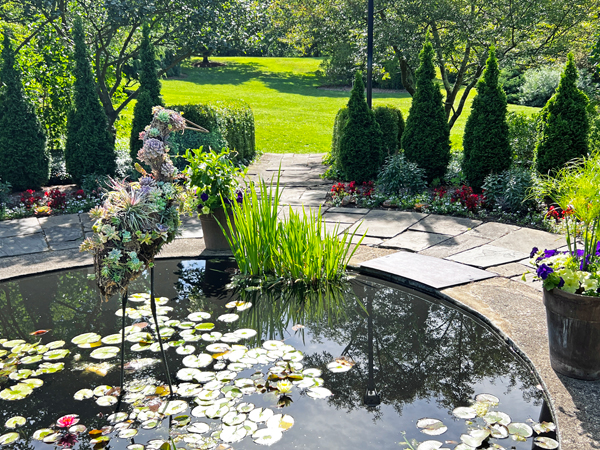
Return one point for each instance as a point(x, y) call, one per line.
point(90, 145)
point(361, 148)
point(426, 138)
point(486, 142)
point(565, 126)
point(23, 153)
point(149, 92)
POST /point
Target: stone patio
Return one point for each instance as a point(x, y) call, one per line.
point(472, 264)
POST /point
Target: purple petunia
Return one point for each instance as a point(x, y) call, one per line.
point(204, 196)
point(550, 253)
point(534, 250)
point(561, 283)
point(543, 271)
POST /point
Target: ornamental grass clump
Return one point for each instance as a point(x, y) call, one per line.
point(575, 190)
point(295, 250)
point(138, 218)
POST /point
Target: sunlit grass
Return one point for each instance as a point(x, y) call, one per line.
point(292, 115)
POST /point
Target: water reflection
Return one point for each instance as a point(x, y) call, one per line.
point(422, 357)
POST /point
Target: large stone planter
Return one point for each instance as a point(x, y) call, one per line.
point(573, 333)
point(214, 238)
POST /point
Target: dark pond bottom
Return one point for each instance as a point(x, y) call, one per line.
point(414, 356)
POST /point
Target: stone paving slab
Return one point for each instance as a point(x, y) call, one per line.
point(64, 236)
point(434, 272)
point(524, 239)
point(23, 245)
point(57, 221)
point(86, 222)
point(487, 256)
point(191, 228)
point(445, 224)
point(312, 198)
point(415, 240)
point(492, 230)
point(371, 241)
point(340, 217)
point(339, 209)
point(387, 224)
point(510, 270)
point(454, 245)
point(19, 227)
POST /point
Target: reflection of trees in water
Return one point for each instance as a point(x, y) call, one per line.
point(422, 349)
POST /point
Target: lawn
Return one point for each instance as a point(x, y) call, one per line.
point(292, 115)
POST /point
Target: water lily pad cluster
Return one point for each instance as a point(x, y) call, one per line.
point(486, 428)
point(22, 363)
point(208, 407)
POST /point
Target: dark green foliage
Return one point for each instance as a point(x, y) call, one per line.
point(361, 146)
point(391, 122)
point(511, 80)
point(485, 142)
point(426, 138)
point(398, 175)
point(341, 118)
point(565, 127)
point(594, 140)
point(510, 190)
point(24, 159)
point(522, 135)
point(149, 92)
point(230, 125)
point(90, 145)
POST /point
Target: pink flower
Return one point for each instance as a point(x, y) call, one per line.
point(67, 421)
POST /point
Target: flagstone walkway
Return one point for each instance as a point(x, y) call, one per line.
point(475, 265)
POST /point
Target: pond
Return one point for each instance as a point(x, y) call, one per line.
point(354, 368)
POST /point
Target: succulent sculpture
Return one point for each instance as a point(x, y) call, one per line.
point(138, 218)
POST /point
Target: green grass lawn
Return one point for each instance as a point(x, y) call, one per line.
point(291, 114)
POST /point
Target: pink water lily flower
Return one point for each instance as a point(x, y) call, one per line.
point(67, 421)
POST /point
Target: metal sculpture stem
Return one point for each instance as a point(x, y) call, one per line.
point(154, 315)
point(123, 306)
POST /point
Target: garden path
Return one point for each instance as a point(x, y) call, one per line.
point(475, 265)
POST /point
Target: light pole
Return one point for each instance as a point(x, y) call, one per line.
point(370, 53)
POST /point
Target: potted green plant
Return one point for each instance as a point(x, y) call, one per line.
point(215, 179)
point(571, 277)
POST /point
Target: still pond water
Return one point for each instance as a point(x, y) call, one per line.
point(422, 358)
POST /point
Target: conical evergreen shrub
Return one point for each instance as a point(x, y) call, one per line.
point(565, 126)
point(426, 137)
point(486, 141)
point(23, 153)
point(361, 153)
point(149, 93)
point(90, 145)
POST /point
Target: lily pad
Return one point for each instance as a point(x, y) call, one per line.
point(430, 445)
point(198, 427)
point(233, 418)
point(86, 338)
point(202, 360)
point(198, 316)
point(464, 412)
point(318, 392)
point(17, 392)
point(13, 343)
point(544, 427)
point(497, 417)
point(33, 382)
point(40, 434)
point(173, 407)
point(545, 442)
point(228, 318)
point(205, 326)
point(14, 422)
point(106, 400)
point(520, 429)
point(281, 421)
point(245, 407)
point(272, 345)
point(31, 359)
point(487, 398)
point(267, 436)
point(53, 355)
point(101, 390)
point(337, 367)
point(112, 339)
point(135, 447)
point(127, 433)
point(8, 438)
point(499, 431)
point(118, 417)
point(185, 349)
point(55, 344)
point(105, 352)
point(259, 415)
point(232, 434)
point(245, 333)
point(432, 427)
point(150, 424)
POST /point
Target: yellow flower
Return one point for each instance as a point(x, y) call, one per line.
point(284, 386)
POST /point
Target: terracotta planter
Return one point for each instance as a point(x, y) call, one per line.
point(573, 334)
point(214, 239)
